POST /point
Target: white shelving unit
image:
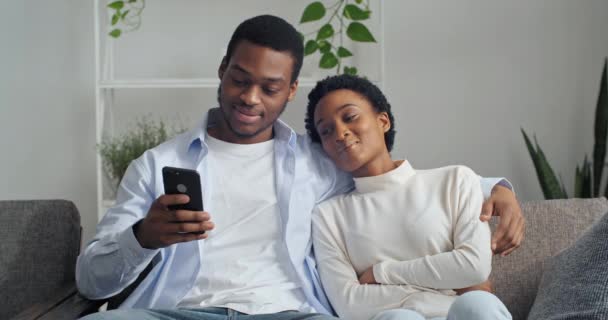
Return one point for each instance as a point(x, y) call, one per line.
point(106, 84)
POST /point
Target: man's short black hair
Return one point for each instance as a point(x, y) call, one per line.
point(354, 83)
point(271, 32)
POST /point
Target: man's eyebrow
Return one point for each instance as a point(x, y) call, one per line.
point(340, 108)
point(271, 79)
point(241, 69)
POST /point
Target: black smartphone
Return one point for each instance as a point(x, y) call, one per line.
point(184, 181)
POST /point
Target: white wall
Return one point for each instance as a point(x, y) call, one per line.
point(47, 123)
point(462, 76)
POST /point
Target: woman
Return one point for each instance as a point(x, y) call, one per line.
point(401, 244)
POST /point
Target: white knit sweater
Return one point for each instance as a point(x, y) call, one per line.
point(420, 230)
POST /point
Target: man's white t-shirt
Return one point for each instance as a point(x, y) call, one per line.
point(241, 268)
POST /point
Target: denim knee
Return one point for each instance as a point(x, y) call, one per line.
point(119, 315)
point(476, 305)
point(398, 314)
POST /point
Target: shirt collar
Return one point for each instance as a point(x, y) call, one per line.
point(283, 133)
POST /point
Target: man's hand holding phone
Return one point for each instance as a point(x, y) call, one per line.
point(163, 227)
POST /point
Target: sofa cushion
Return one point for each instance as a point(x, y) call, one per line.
point(39, 243)
point(574, 284)
point(551, 226)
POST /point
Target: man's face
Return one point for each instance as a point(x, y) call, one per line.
point(254, 90)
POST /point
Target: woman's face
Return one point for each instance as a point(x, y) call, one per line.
point(351, 130)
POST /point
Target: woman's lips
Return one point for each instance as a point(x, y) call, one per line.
point(347, 146)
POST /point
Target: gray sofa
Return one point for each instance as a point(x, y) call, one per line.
point(40, 240)
point(551, 226)
point(39, 243)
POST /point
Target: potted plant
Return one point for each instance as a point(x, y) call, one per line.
point(117, 153)
point(588, 177)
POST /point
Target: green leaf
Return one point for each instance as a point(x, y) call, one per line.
point(328, 61)
point(313, 12)
point(350, 70)
point(115, 33)
point(116, 5)
point(601, 130)
point(311, 47)
point(353, 12)
point(358, 1)
point(358, 32)
point(325, 32)
point(124, 14)
point(343, 52)
point(324, 46)
point(115, 18)
point(578, 182)
point(548, 181)
point(132, 1)
point(586, 188)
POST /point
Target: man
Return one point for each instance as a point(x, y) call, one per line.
point(260, 182)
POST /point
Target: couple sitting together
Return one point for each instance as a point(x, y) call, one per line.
point(299, 227)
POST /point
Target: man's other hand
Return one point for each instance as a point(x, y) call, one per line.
point(510, 231)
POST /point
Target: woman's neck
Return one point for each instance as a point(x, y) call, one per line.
point(379, 165)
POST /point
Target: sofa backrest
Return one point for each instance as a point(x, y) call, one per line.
point(39, 243)
point(551, 226)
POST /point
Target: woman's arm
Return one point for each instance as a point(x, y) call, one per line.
point(349, 298)
point(469, 263)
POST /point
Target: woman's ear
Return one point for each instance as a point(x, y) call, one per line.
point(384, 121)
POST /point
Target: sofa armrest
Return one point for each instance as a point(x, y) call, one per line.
point(66, 304)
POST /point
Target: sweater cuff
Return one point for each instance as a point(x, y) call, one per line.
point(133, 253)
point(380, 273)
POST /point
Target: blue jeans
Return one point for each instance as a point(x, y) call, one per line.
point(473, 305)
point(201, 314)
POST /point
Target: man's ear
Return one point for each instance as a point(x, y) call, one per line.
point(384, 121)
point(293, 88)
point(222, 68)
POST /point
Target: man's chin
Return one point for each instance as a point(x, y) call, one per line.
point(245, 131)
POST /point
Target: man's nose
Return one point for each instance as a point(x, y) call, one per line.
point(251, 96)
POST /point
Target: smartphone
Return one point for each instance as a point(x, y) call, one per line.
point(184, 181)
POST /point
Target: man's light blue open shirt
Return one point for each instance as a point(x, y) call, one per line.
point(114, 258)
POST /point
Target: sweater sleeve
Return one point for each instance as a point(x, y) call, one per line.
point(349, 298)
point(469, 262)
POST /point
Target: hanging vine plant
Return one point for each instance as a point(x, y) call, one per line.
point(126, 16)
point(345, 18)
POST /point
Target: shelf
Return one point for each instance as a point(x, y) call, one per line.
point(159, 83)
point(178, 83)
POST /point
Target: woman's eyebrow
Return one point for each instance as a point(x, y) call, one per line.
point(340, 108)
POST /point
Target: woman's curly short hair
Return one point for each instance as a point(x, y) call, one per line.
point(354, 83)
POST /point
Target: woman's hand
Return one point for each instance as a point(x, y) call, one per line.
point(367, 277)
point(484, 286)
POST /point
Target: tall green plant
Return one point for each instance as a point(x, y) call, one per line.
point(588, 176)
point(345, 18)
